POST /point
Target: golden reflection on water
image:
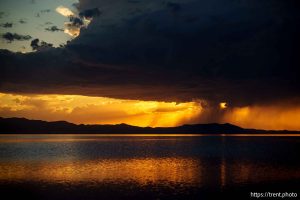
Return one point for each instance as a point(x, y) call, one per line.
point(142, 171)
point(173, 169)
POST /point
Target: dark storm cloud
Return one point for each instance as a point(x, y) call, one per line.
point(14, 36)
point(242, 52)
point(133, 1)
point(175, 7)
point(53, 29)
point(6, 25)
point(90, 13)
point(76, 21)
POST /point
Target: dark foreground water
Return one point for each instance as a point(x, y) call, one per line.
point(147, 166)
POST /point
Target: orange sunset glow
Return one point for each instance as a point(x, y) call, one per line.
point(272, 117)
point(100, 110)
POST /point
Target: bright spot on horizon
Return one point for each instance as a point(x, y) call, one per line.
point(223, 105)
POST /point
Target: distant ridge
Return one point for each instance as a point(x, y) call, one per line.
point(26, 126)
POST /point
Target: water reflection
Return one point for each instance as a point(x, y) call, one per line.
point(189, 162)
point(185, 171)
point(142, 171)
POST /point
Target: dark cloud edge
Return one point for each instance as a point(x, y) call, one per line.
point(72, 71)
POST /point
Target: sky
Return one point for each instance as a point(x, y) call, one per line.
point(151, 63)
point(34, 18)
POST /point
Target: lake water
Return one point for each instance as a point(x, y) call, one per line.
point(147, 166)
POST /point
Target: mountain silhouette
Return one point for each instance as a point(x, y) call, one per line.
point(26, 126)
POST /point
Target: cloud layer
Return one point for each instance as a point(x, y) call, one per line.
point(241, 52)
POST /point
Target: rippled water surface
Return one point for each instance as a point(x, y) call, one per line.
point(146, 166)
